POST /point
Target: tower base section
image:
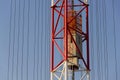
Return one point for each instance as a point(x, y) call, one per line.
point(64, 72)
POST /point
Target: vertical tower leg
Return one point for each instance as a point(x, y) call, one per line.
point(88, 75)
point(66, 70)
point(51, 76)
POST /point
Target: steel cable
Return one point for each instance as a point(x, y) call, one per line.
point(97, 38)
point(48, 38)
point(23, 25)
point(41, 43)
point(35, 25)
point(114, 35)
point(101, 39)
point(38, 38)
point(92, 40)
point(14, 27)
point(106, 47)
point(45, 26)
point(18, 39)
point(28, 25)
point(105, 40)
point(9, 51)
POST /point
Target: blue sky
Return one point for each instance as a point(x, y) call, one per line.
point(38, 44)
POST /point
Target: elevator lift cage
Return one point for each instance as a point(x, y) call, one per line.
point(73, 55)
point(69, 40)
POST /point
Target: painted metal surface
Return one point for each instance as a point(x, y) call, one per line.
point(60, 11)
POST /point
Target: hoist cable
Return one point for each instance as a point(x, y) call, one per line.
point(41, 39)
point(18, 39)
point(14, 27)
point(114, 35)
point(101, 39)
point(38, 38)
point(46, 71)
point(28, 25)
point(35, 25)
point(105, 40)
point(92, 40)
point(45, 26)
point(48, 41)
point(104, 37)
point(10, 27)
point(97, 38)
point(23, 25)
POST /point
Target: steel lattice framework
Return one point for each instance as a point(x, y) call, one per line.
point(60, 31)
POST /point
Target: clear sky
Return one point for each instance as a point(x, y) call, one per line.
point(37, 36)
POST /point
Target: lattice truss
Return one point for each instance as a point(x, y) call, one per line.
point(69, 40)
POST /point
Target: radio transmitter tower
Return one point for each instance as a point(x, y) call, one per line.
point(69, 40)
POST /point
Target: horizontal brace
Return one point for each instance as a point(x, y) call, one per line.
point(58, 38)
point(72, 56)
point(77, 31)
point(71, 5)
point(84, 39)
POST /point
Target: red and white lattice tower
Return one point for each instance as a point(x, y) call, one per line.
point(69, 40)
